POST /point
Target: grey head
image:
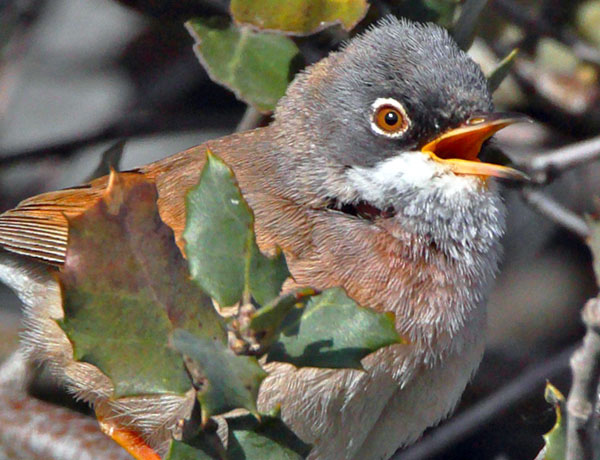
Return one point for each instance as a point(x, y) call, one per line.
point(353, 128)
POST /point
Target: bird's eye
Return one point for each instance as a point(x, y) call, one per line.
point(389, 118)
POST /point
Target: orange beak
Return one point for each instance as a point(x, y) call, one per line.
point(459, 148)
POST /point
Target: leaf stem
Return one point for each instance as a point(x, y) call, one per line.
point(251, 119)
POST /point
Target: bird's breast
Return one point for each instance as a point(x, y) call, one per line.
point(350, 414)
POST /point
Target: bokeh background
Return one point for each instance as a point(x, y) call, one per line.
point(77, 76)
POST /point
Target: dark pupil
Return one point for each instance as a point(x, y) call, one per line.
point(391, 118)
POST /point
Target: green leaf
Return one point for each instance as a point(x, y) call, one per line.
point(299, 17)
point(497, 76)
point(465, 29)
point(269, 439)
point(266, 275)
point(248, 439)
point(556, 438)
point(125, 286)
point(332, 331)
point(267, 320)
point(220, 243)
point(225, 380)
point(180, 450)
point(257, 67)
point(203, 446)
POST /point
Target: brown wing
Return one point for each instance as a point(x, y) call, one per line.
point(38, 228)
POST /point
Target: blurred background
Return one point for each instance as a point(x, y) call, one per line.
point(78, 76)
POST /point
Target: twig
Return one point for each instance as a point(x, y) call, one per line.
point(555, 211)
point(111, 159)
point(60, 149)
point(472, 419)
point(135, 126)
point(544, 167)
point(585, 365)
point(251, 119)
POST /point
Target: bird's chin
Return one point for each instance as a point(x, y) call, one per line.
point(392, 187)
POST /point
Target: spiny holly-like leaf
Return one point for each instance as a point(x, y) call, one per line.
point(225, 380)
point(556, 438)
point(248, 439)
point(203, 446)
point(180, 450)
point(269, 439)
point(298, 17)
point(466, 26)
point(267, 321)
point(220, 243)
point(125, 286)
point(266, 275)
point(332, 331)
point(497, 76)
point(257, 67)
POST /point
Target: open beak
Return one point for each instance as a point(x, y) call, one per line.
point(459, 148)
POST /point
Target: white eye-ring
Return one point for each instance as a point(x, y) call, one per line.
point(388, 118)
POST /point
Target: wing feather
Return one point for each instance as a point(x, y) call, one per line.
point(38, 226)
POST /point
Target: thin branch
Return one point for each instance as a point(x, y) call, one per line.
point(585, 365)
point(111, 159)
point(483, 412)
point(251, 119)
point(556, 212)
point(133, 127)
point(544, 167)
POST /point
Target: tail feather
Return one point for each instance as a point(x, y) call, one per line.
point(38, 226)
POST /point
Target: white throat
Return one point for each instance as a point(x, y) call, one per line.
point(458, 212)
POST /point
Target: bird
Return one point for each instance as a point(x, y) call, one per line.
point(368, 178)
